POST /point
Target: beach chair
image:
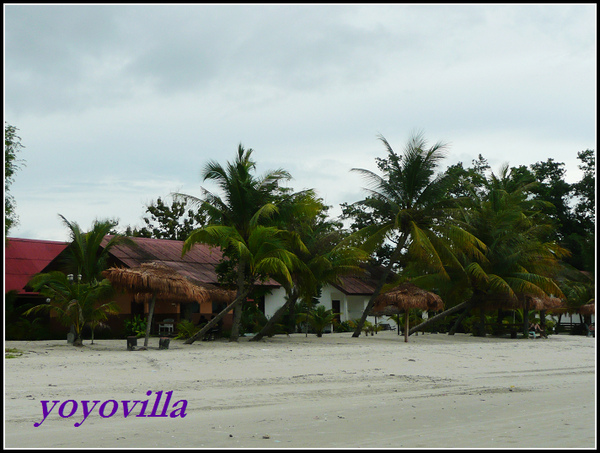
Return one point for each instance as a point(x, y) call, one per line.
point(167, 326)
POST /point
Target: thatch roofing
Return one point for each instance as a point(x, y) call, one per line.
point(155, 278)
point(587, 309)
point(404, 297)
point(544, 302)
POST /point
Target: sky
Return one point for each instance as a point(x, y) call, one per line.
point(118, 105)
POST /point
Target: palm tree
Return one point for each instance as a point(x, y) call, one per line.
point(320, 318)
point(414, 204)
point(265, 254)
point(325, 257)
point(86, 256)
point(81, 301)
point(234, 217)
point(517, 259)
point(75, 303)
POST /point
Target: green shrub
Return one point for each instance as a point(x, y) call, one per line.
point(135, 326)
point(186, 329)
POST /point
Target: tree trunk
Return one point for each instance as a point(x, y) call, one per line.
point(276, 317)
point(438, 317)
point(481, 328)
point(458, 322)
point(406, 326)
point(526, 319)
point(149, 320)
point(213, 322)
point(78, 340)
point(380, 284)
point(237, 310)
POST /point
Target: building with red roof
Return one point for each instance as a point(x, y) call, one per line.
point(26, 257)
point(23, 258)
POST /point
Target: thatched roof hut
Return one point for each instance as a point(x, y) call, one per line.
point(155, 278)
point(587, 309)
point(158, 280)
point(405, 297)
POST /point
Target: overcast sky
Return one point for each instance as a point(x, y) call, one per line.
point(118, 105)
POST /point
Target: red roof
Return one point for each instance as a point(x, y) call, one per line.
point(23, 258)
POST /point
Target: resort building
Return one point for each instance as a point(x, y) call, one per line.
point(26, 257)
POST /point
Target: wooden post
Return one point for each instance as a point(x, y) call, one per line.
point(406, 327)
point(149, 320)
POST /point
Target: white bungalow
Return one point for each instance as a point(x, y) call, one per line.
point(349, 298)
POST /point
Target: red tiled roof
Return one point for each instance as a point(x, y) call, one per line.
point(23, 258)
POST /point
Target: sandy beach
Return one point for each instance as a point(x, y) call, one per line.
point(436, 391)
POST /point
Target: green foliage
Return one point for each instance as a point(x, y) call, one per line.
point(320, 318)
point(135, 326)
point(73, 302)
point(237, 224)
point(253, 320)
point(85, 255)
point(344, 326)
point(18, 326)
point(185, 329)
point(12, 146)
point(174, 222)
point(12, 353)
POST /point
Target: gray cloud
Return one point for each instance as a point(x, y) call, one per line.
point(151, 92)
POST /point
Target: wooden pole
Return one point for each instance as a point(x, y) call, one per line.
point(149, 320)
point(406, 326)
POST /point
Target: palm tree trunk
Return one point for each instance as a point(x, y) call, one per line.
point(482, 332)
point(237, 309)
point(526, 319)
point(380, 284)
point(438, 317)
point(458, 322)
point(213, 322)
point(149, 320)
point(276, 317)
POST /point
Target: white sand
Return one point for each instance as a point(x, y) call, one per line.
point(437, 391)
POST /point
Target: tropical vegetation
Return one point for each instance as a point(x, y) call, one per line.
point(77, 293)
point(482, 240)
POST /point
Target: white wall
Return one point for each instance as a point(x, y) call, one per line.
point(273, 301)
point(351, 307)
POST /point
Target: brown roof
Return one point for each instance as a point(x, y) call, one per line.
point(404, 297)
point(198, 264)
point(156, 278)
point(356, 286)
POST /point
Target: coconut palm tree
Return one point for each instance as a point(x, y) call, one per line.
point(517, 258)
point(265, 254)
point(75, 303)
point(324, 255)
point(85, 255)
point(414, 205)
point(80, 298)
point(245, 203)
point(320, 266)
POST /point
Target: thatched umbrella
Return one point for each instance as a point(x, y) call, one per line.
point(403, 298)
point(158, 280)
point(587, 309)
